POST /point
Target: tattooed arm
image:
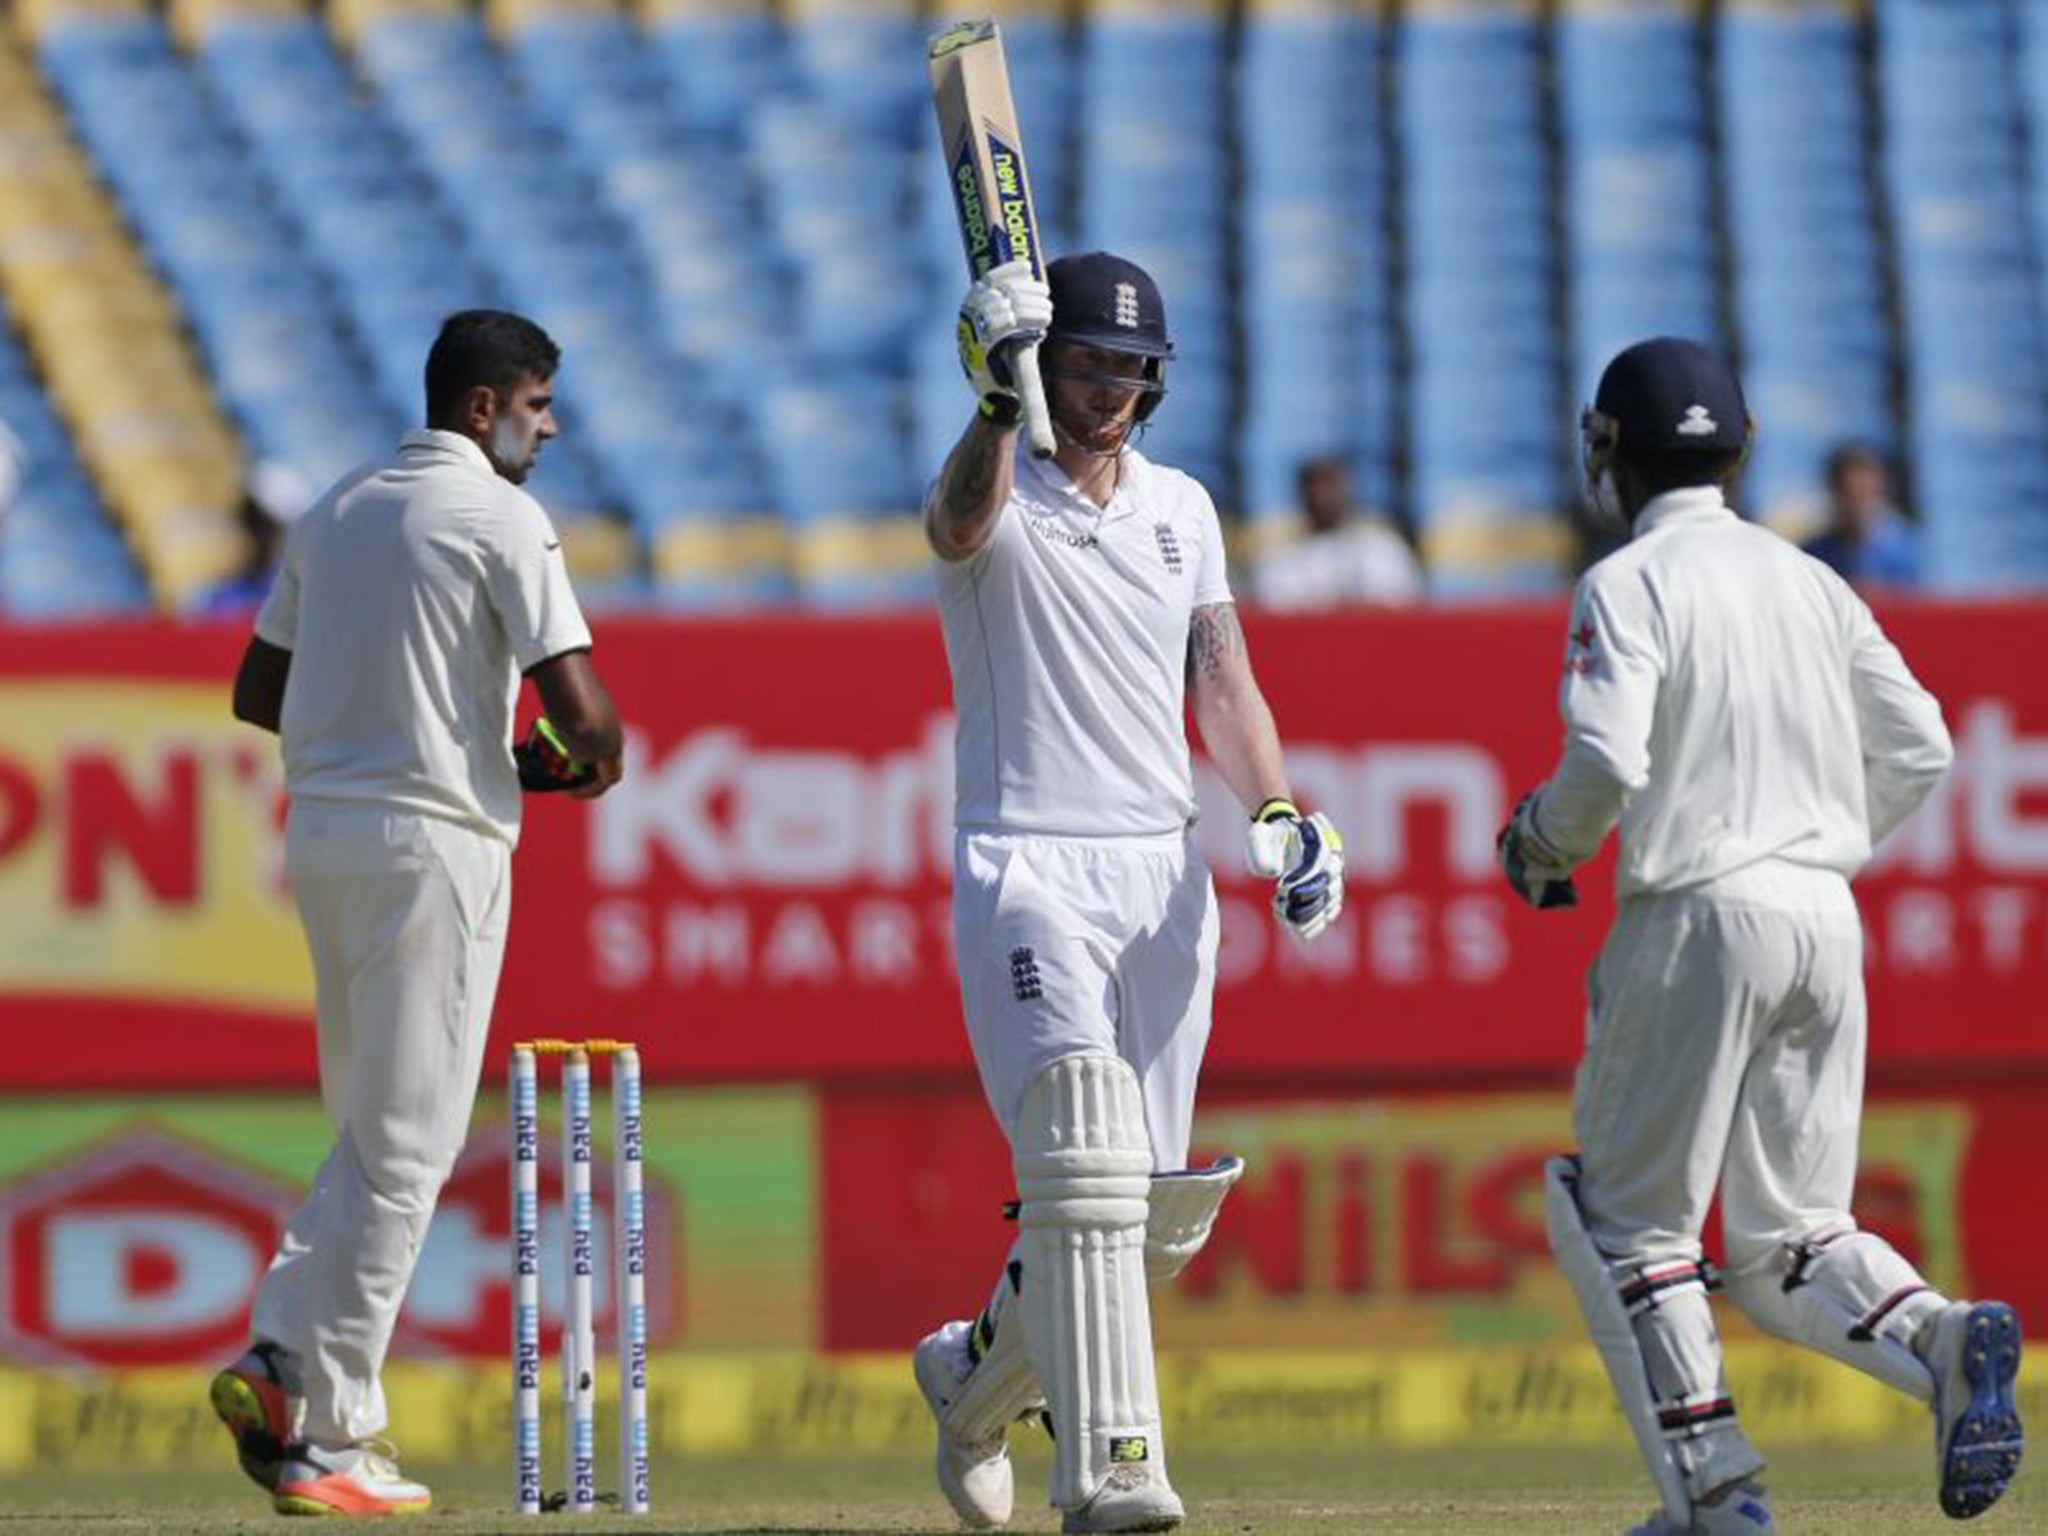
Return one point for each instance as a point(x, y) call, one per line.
point(961, 514)
point(1231, 713)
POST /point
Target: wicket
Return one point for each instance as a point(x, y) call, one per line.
point(629, 1253)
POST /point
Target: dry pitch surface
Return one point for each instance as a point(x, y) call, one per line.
point(1491, 1491)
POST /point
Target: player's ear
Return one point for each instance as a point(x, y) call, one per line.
point(480, 408)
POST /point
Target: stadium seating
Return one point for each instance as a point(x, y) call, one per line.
point(1405, 235)
point(1641, 248)
point(104, 338)
point(60, 556)
point(1485, 415)
point(1153, 186)
point(1315, 259)
point(1806, 263)
point(1976, 372)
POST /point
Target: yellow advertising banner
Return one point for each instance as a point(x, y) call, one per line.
point(139, 849)
point(764, 1403)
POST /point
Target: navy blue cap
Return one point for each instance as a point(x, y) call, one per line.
point(1106, 301)
point(1670, 395)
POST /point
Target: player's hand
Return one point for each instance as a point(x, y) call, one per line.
point(1006, 309)
point(545, 764)
point(1537, 872)
point(604, 773)
point(1305, 856)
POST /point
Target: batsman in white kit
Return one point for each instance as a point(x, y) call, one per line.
point(388, 657)
point(1734, 706)
point(1085, 603)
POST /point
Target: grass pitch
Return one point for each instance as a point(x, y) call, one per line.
point(1863, 1490)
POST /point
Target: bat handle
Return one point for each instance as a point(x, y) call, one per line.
point(1031, 393)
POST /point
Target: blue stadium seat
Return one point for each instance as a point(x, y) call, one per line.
point(60, 554)
point(1976, 374)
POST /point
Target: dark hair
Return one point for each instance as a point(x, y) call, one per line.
point(1841, 458)
point(488, 347)
point(1661, 472)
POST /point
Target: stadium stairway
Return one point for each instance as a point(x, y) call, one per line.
point(106, 339)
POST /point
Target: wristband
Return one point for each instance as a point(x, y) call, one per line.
point(1003, 411)
point(1277, 809)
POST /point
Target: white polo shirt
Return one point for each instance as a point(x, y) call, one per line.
point(1732, 701)
point(412, 597)
point(1067, 635)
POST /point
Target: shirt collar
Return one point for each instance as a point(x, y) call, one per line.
point(436, 440)
point(1690, 503)
point(1056, 483)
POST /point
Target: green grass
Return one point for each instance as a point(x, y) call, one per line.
point(1883, 1490)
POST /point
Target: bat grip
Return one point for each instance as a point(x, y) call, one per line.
point(1031, 394)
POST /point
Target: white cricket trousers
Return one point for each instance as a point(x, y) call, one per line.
point(1087, 946)
point(1724, 1043)
point(405, 916)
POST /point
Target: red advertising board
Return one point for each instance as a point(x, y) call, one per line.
point(765, 897)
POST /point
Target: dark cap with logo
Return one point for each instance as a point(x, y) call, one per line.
point(1106, 301)
point(1670, 395)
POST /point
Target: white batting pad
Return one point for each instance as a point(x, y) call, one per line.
point(1655, 1334)
point(1182, 1214)
point(1002, 1388)
point(1850, 1295)
point(1084, 1164)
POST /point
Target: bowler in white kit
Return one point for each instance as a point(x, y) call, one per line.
point(1085, 605)
point(388, 656)
point(1735, 708)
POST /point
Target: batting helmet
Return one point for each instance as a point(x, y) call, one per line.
point(1100, 300)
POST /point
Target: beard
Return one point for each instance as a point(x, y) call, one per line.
point(513, 450)
point(1102, 436)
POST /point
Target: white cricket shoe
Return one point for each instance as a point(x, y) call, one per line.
point(360, 1479)
point(1132, 1498)
point(1741, 1509)
point(975, 1476)
point(1973, 1349)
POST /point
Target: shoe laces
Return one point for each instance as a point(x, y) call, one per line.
point(380, 1456)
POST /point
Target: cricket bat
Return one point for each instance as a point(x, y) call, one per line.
point(991, 189)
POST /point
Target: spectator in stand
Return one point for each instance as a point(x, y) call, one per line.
point(1347, 558)
point(1867, 542)
point(273, 497)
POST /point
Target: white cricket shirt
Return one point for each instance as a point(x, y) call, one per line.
point(1732, 701)
point(412, 597)
point(1067, 635)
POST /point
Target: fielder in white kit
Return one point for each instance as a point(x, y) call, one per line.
point(388, 657)
point(1735, 707)
point(1085, 603)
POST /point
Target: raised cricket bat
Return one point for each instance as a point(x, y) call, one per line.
point(991, 190)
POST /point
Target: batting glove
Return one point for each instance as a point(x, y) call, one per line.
point(1008, 308)
point(1305, 856)
point(1538, 873)
point(544, 761)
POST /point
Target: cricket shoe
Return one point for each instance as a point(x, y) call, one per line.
point(1973, 1349)
point(252, 1398)
point(974, 1475)
point(1131, 1498)
point(360, 1479)
point(1741, 1509)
